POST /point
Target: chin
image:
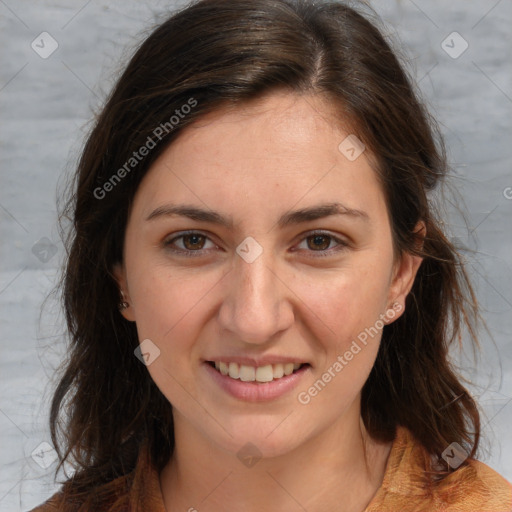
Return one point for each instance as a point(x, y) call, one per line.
point(261, 439)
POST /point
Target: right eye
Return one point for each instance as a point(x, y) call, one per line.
point(190, 243)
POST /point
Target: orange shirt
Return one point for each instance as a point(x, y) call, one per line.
point(473, 487)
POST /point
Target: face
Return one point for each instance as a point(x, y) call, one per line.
point(256, 248)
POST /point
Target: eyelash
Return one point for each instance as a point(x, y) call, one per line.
point(342, 245)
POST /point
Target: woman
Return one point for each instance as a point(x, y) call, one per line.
point(259, 295)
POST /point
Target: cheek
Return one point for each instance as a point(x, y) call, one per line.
point(352, 306)
point(347, 301)
point(171, 310)
point(171, 307)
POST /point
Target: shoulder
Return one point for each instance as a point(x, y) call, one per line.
point(138, 490)
point(473, 487)
point(56, 502)
point(112, 497)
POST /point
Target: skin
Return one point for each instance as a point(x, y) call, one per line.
point(253, 164)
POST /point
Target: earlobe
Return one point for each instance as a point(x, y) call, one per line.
point(406, 271)
point(125, 305)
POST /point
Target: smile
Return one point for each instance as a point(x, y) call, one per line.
point(253, 380)
point(245, 373)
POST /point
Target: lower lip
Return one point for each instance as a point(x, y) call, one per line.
point(257, 391)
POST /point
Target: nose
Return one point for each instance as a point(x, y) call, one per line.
point(256, 305)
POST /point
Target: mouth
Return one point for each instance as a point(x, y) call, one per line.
point(250, 383)
point(258, 374)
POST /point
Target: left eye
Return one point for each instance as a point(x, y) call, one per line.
point(319, 242)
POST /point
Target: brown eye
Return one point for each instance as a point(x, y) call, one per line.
point(193, 242)
point(322, 244)
point(189, 244)
point(319, 242)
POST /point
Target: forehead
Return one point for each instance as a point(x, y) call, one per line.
point(277, 126)
point(278, 151)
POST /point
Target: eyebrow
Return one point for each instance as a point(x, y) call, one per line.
point(290, 218)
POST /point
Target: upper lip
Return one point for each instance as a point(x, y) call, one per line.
point(257, 361)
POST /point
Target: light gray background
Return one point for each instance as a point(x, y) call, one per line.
point(45, 106)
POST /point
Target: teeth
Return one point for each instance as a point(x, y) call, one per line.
point(265, 373)
point(234, 370)
point(278, 371)
point(223, 368)
point(247, 373)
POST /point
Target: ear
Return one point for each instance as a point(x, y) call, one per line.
point(405, 272)
point(124, 295)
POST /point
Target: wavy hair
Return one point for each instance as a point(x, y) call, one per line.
point(215, 53)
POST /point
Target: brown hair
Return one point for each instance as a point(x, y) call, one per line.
point(223, 52)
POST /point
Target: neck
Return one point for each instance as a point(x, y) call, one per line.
point(341, 466)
